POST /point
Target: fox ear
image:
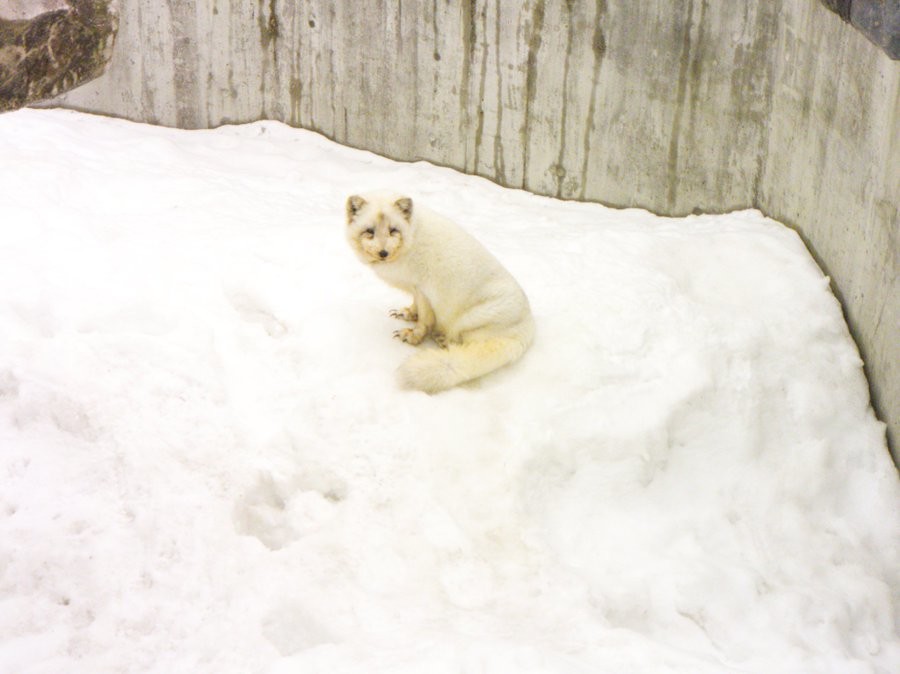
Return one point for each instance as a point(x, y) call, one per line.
point(404, 205)
point(354, 205)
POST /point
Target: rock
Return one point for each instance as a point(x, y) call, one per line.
point(55, 51)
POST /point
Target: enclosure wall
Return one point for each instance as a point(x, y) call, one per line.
point(677, 106)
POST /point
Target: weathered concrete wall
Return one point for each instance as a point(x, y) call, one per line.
point(587, 99)
point(832, 170)
point(671, 105)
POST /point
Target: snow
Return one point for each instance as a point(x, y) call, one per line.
point(206, 464)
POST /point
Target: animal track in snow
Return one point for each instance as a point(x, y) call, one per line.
point(253, 310)
point(279, 510)
point(9, 385)
point(291, 628)
point(66, 413)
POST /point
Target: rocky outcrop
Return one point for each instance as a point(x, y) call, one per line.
point(55, 51)
point(878, 20)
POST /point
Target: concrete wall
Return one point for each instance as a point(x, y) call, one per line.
point(832, 170)
point(671, 105)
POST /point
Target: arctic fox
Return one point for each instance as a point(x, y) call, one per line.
point(463, 298)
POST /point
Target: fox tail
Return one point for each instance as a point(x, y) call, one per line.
point(433, 370)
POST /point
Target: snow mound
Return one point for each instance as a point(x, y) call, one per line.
point(206, 465)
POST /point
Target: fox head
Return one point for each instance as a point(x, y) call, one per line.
point(379, 227)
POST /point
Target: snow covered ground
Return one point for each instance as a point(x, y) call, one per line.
point(206, 465)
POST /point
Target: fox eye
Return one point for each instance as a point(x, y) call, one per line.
point(370, 231)
point(394, 230)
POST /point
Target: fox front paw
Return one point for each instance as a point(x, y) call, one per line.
point(412, 336)
point(408, 314)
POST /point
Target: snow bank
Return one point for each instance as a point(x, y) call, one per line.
point(206, 465)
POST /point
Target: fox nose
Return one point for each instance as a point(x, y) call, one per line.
point(382, 254)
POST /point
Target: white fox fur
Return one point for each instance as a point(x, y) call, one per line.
point(463, 298)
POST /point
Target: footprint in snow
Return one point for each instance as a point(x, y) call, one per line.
point(252, 310)
point(291, 628)
point(279, 510)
